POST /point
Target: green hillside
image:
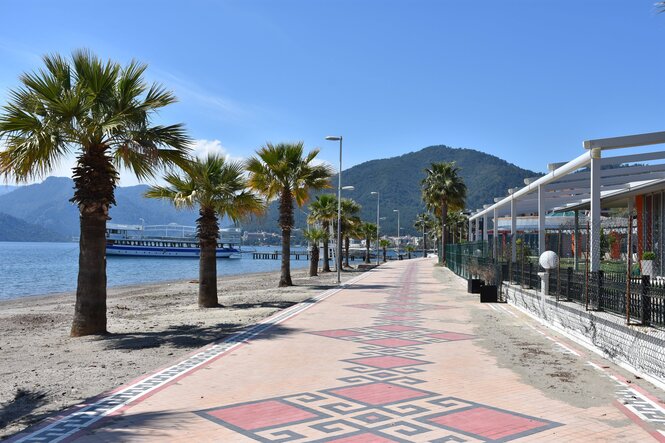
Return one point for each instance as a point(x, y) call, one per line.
point(398, 181)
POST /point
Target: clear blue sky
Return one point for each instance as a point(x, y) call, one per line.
point(526, 80)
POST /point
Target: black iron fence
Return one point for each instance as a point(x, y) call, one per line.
point(640, 299)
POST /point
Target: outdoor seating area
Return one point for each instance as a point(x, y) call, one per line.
point(602, 214)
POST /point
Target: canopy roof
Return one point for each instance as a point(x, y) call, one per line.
point(568, 185)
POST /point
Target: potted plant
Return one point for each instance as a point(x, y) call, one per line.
point(474, 284)
point(488, 291)
point(647, 263)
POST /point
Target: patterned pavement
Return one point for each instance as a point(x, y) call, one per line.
point(388, 358)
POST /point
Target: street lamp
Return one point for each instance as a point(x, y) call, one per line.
point(398, 251)
point(339, 205)
point(378, 211)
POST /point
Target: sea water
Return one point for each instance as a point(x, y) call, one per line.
point(44, 268)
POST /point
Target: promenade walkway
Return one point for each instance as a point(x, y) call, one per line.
point(402, 354)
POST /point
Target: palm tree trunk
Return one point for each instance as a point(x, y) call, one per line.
point(326, 263)
point(286, 223)
point(94, 183)
point(208, 231)
point(90, 308)
point(444, 218)
point(424, 245)
point(314, 260)
point(367, 241)
point(384, 254)
point(347, 245)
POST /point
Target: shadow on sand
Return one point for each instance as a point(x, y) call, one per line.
point(22, 406)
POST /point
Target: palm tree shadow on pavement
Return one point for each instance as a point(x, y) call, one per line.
point(188, 336)
point(111, 428)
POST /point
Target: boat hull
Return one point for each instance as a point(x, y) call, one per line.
point(147, 251)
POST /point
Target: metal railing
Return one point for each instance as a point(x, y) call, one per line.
point(599, 290)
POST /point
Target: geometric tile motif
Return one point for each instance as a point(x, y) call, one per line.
point(392, 307)
point(387, 362)
point(371, 335)
point(374, 412)
point(379, 403)
point(391, 342)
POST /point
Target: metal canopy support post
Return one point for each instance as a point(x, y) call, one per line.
point(485, 234)
point(469, 235)
point(595, 210)
point(541, 220)
point(576, 249)
point(513, 230)
point(495, 235)
point(629, 256)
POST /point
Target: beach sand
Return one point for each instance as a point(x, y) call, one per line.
point(43, 370)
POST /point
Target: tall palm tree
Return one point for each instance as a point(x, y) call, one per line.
point(384, 243)
point(368, 233)
point(280, 171)
point(350, 222)
point(314, 236)
point(217, 188)
point(423, 223)
point(101, 112)
point(323, 210)
point(442, 190)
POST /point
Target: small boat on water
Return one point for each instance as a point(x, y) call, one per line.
point(170, 240)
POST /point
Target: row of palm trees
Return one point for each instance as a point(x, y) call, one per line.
point(323, 212)
point(102, 112)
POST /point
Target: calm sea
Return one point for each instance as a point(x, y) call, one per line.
point(43, 268)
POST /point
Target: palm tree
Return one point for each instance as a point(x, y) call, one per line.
point(217, 188)
point(324, 210)
point(315, 236)
point(102, 112)
point(350, 222)
point(280, 171)
point(423, 223)
point(368, 233)
point(409, 249)
point(442, 190)
point(384, 243)
point(458, 225)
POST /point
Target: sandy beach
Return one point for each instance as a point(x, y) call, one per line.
point(43, 370)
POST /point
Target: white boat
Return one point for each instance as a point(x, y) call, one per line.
point(170, 240)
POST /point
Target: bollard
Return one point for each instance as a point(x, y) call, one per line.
point(646, 301)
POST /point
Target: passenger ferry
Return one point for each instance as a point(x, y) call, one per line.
point(170, 240)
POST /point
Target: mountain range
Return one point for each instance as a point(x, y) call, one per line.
point(397, 179)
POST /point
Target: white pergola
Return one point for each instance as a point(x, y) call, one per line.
point(569, 188)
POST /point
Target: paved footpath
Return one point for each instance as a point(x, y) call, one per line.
point(396, 356)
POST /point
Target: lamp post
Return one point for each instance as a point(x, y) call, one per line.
point(339, 205)
point(398, 251)
point(378, 212)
